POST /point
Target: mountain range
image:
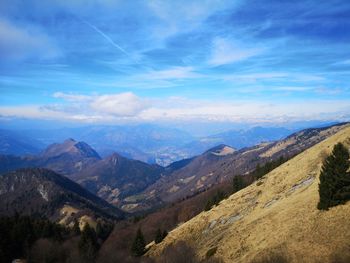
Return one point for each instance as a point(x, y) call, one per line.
point(136, 186)
point(221, 163)
point(147, 143)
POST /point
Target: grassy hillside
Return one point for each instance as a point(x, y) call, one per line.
point(276, 215)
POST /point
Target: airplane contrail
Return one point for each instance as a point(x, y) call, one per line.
point(106, 37)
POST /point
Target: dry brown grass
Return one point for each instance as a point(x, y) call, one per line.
point(280, 211)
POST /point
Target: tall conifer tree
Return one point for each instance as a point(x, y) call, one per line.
point(334, 187)
point(139, 244)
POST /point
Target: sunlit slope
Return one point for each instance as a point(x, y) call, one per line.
point(277, 213)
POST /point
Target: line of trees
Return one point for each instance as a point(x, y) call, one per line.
point(267, 167)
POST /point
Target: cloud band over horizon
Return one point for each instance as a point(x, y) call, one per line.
point(112, 108)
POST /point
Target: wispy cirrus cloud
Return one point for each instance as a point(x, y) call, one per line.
point(18, 42)
point(173, 73)
point(184, 16)
point(225, 52)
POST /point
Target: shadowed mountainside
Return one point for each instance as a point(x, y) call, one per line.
point(116, 177)
point(42, 192)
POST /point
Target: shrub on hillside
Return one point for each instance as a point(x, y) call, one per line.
point(215, 200)
point(160, 235)
point(272, 257)
point(179, 252)
point(211, 252)
point(267, 167)
point(341, 255)
point(238, 183)
point(182, 252)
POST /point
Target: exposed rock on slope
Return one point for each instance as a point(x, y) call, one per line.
point(43, 192)
point(277, 213)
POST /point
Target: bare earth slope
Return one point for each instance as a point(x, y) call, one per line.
point(277, 213)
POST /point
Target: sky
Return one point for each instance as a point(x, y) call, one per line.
point(104, 61)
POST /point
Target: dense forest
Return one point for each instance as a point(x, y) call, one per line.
point(40, 240)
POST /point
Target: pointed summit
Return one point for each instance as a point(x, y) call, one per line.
point(72, 147)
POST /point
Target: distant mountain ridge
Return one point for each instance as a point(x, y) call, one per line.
point(65, 158)
point(16, 143)
point(144, 142)
point(152, 143)
point(208, 169)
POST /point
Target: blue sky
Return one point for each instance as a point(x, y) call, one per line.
point(109, 61)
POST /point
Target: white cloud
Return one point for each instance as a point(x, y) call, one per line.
point(248, 111)
point(118, 105)
point(123, 104)
point(227, 52)
point(112, 108)
point(18, 42)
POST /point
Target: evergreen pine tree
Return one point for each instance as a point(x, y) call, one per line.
point(99, 229)
point(334, 187)
point(237, 183)
point(139, 244)
point(258, 171)
point(88, 245)
point(208, 205)
point(76, 228)
point(164, 234)
point(159, 236)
